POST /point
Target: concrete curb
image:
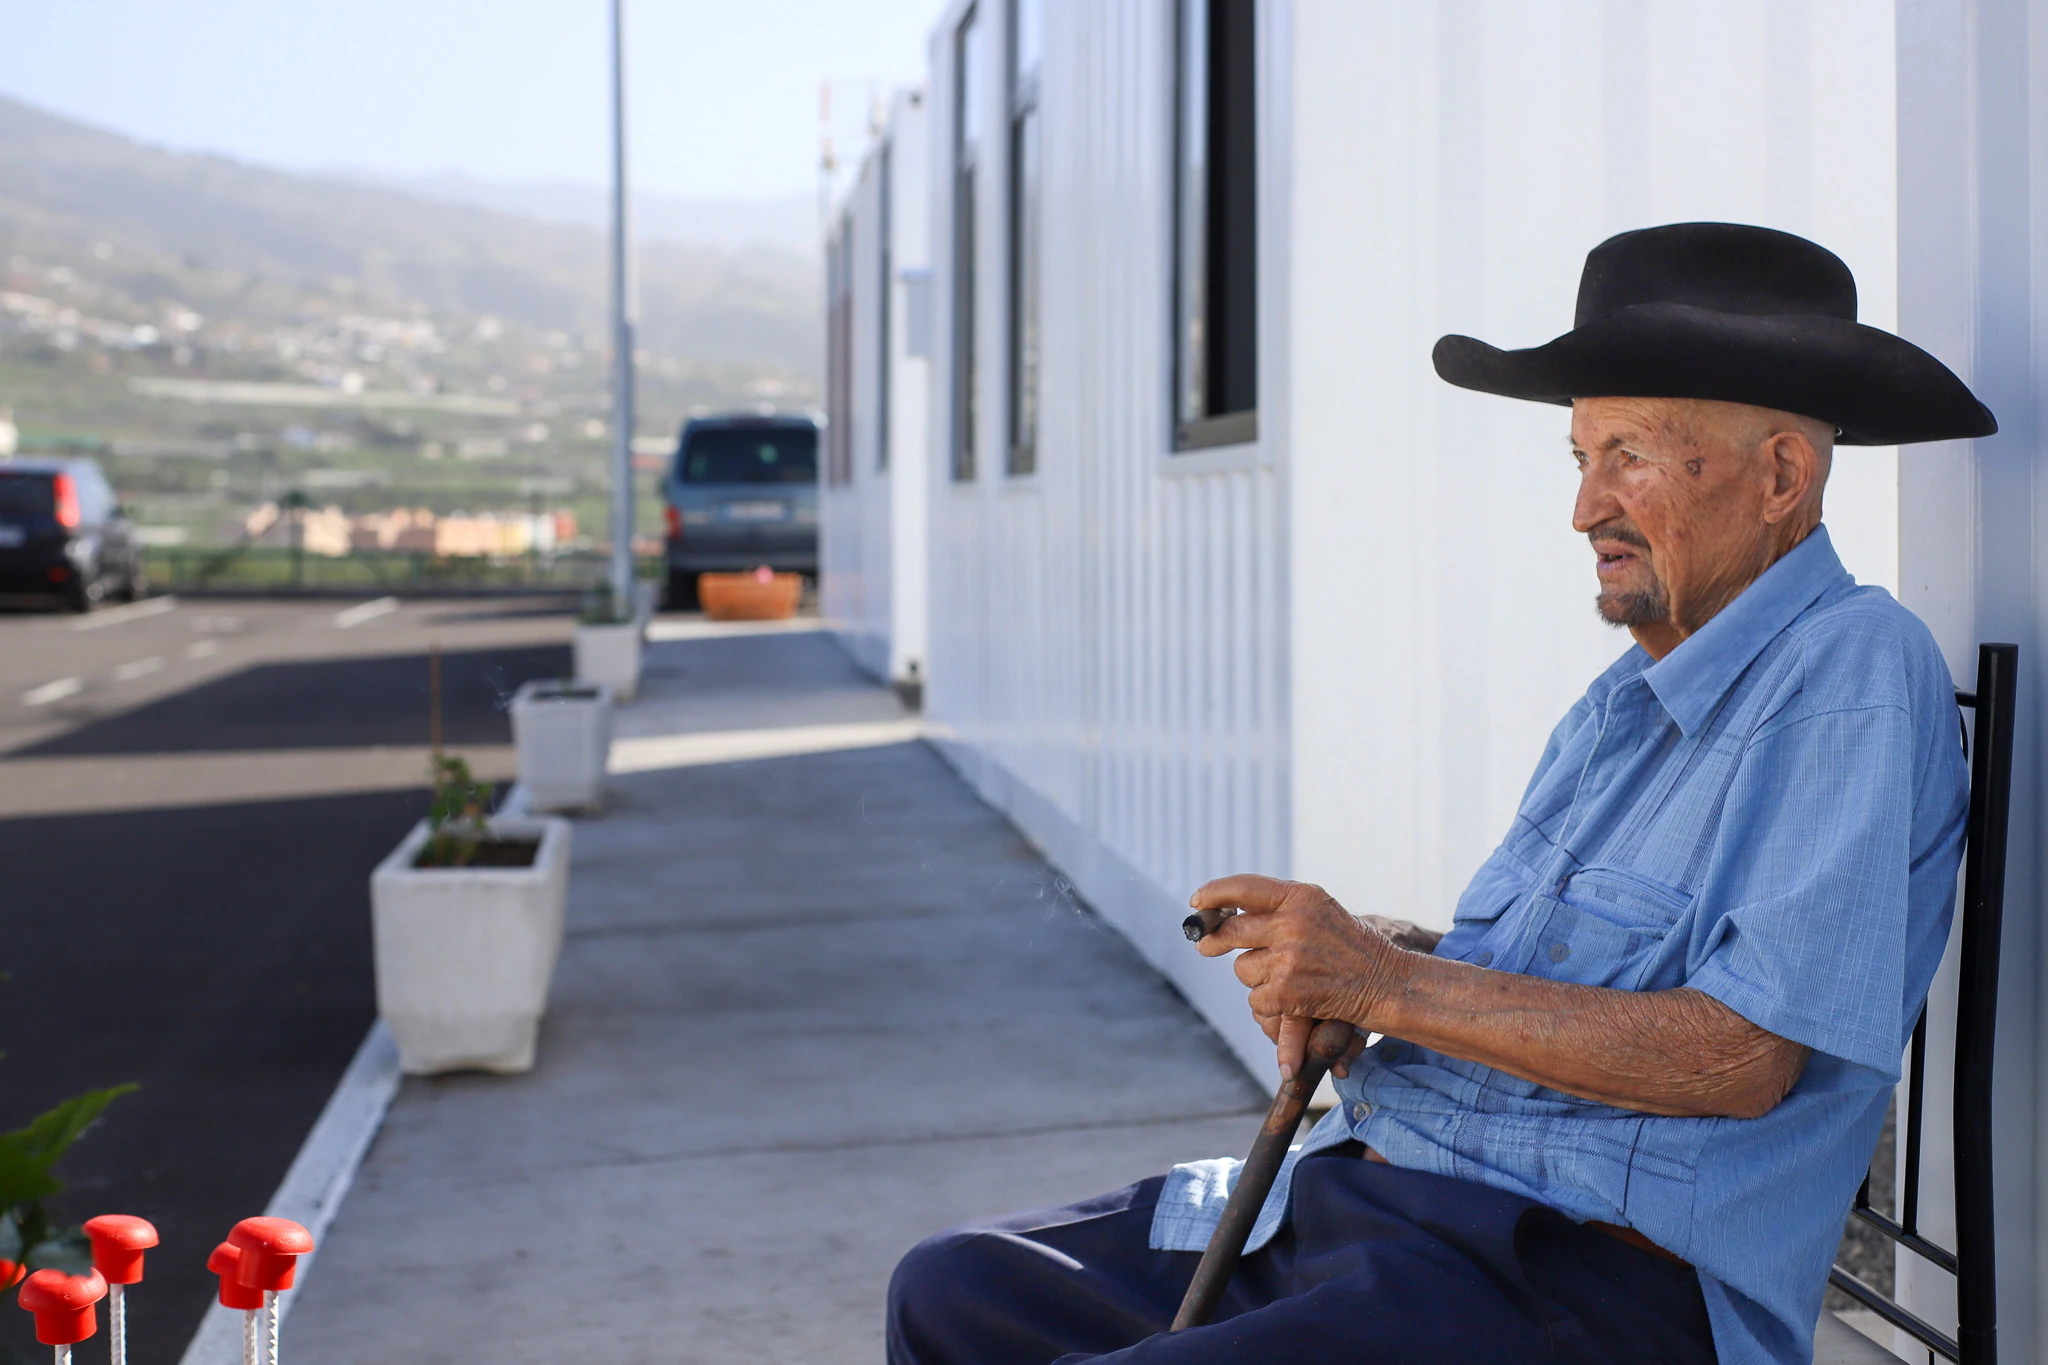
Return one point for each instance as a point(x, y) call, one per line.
point(318, 1180)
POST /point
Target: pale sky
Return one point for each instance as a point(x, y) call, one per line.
point(724, 93)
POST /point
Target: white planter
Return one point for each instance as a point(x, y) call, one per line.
point(610, 655)
point(646, 601)
point(464, 955)
point(563, 740)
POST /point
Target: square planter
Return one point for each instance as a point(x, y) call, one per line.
point(750, 596)
point(609, 656)
point(562, 733)
point(464, 954)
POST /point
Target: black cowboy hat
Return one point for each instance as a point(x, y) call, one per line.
point(1736, 313)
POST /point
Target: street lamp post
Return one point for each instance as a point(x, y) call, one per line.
point(622, 335)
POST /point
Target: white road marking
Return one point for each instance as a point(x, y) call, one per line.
point(365, 611)
point(140, 668)
point(52, 691)
point(134, 611)
point(221, 625)
point(202, 649)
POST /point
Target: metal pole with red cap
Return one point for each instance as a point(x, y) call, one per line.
point(63, 1305)
point(118, 1241)
point(270, 1249)
point(224, 1262)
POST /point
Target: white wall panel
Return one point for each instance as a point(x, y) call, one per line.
point(872, 535)
point(1454, 164)
point(1108, 634)
point(1973, 288)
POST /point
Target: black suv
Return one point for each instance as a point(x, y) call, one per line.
point(63, 535)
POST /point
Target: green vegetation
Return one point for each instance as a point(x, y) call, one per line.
point(407, 353)
point(29, 1241)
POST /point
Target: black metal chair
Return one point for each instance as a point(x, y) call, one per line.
point(1972, 1261)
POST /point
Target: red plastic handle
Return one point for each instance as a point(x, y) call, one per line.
point(63, 1305)
point(224, 1262)
point(270, 1249)
point(118, 1241)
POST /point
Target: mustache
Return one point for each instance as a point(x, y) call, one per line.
point(1621, 529)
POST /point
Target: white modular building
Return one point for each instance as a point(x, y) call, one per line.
point(872, 499)
point(1223, 578)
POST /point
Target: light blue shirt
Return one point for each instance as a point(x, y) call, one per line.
point(1772, 814)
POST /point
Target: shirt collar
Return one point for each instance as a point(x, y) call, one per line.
point(1691, 680)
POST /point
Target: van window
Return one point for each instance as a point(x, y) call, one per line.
point(749, 455)
point(24, 494)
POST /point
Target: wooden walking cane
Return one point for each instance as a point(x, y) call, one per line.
point(1326, 1045)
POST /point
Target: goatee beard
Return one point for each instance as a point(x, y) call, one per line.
point(1633, 610)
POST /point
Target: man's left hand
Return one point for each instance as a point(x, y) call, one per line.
point(1304, 956)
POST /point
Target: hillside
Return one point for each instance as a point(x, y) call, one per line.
point(220, 333)
point(63, 181)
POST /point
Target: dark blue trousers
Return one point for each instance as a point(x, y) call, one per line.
point(1377, 1265)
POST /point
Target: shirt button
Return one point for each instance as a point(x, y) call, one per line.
point(1484, 959)
point(1559, 952)
point(1361, 1111)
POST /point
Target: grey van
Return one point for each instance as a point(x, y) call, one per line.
point(743, 492)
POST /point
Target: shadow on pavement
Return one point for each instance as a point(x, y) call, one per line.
point(323, 704)
point(220, 957)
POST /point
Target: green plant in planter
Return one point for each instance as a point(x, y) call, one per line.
point(28, 1157)
point(601, 607)
point(459, 815)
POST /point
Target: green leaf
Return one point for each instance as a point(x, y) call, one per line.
point(28, 1154)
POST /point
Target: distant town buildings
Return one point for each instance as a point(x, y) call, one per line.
point(411, 530)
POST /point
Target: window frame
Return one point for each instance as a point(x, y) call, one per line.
point(967, 158)
point(1215, 239)
point(1024, 264)
point(884, 298)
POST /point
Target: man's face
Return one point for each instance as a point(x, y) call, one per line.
point(1685, 504)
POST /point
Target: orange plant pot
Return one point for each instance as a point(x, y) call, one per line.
point(750, 596)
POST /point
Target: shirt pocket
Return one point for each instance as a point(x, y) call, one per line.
point(1607, 926)
point(1476, 935)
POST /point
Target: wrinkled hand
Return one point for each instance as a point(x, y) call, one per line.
point(1305, 958)
point(1406, 933)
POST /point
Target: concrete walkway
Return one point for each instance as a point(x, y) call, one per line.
point(812, 1006)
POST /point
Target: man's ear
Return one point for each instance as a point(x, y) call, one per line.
point(1793, 466)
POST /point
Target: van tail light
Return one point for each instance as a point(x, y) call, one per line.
point(67, 502)
point(675, 522)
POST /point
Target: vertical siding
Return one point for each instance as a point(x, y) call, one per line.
point(872, 547)
point(1973, 286)
point(1107, 635)
point(1455, 163)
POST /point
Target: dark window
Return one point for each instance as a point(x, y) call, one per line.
point(27, 495)
point(839, 356)
point(970, 89)
point(748, 455)
point(1027, 42)
point(1216, 286)
point(885, 288)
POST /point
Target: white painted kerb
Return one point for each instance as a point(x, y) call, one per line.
point(317, 1182)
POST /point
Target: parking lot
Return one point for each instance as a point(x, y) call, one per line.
point(192, 795)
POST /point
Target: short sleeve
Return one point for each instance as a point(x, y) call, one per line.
point(1806, 921)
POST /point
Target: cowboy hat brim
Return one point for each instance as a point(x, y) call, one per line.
point(1877, 388)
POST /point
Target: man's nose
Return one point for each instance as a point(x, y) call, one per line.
point(1596, 501)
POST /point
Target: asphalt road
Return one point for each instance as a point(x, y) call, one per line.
point(192, 796)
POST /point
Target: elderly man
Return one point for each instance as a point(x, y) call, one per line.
point(1620, 1108)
